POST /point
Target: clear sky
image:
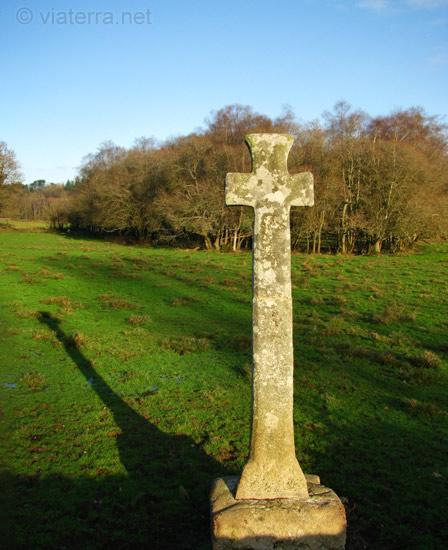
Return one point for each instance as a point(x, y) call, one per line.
point(77, 73)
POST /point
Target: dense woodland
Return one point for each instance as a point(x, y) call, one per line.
point(380, 183)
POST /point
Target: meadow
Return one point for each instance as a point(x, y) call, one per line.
point(125, 384)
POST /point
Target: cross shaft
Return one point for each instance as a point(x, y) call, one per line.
point(272, 470)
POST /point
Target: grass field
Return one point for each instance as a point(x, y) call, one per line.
point(125, 390)
point(22, 225)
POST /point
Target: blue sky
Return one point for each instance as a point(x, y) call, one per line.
point(75, 74)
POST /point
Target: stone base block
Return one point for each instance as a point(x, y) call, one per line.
point(315, 523)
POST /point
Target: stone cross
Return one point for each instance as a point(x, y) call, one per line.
point(272, 471)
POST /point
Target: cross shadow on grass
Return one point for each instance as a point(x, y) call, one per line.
point(161, 502)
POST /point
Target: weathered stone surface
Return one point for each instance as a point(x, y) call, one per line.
point(272, 470)
point(315, 523)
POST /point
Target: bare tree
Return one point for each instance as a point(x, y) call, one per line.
point(230, 124)
point(9, 166)
point(345, 134)
point(379, 183)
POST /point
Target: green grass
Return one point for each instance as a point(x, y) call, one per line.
point(125, 390)
point(22, 225)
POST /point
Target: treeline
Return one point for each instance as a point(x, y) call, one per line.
point(380, 183)
point(37, 201)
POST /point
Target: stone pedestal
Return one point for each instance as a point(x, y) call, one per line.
point(314, 523)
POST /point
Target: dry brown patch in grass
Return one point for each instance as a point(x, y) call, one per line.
point(425, 296)
point(76, 341)
point(135, 276)
point(373, 355)
point(408, 316)
point(394, 313)
point(66, 306)
point(307, 267)
point(334, 325)
point(182, 345)
point(398, 339)
point(437, 281)
point(45, 272)
point(13, 332)
point(337, 300)
point(137, 330)
point(303, 282)
point(126, 375)
point(41, 335)
point(375, 291)
point(33, 380)
point(118, 274)
point(113, 301)
point(176, 302)
point(29, 279)
point(60, 300)
point(26, 313)
point(46, 336)
point(13, 268)
point(426, 360)
point(138, 262)
point(348, 312)
point(121, 354)
point(387, 358)
point(117, 265)
point(138, 319)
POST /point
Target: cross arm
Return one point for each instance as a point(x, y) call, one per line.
point(239, 192)
point(302, 189)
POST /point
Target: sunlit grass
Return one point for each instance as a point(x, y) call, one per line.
point(125, 386)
